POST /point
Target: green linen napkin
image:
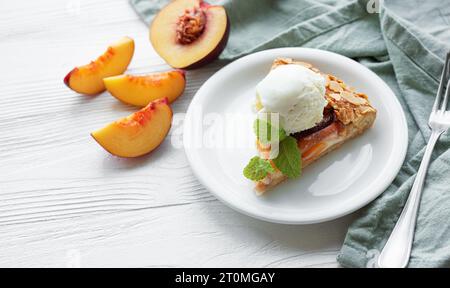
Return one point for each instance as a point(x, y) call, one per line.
point(404, 42)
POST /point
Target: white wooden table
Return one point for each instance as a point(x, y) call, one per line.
point(65, 202)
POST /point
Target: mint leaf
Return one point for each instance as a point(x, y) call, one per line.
point(263, 131)
point(257, 169)
point(289, 159)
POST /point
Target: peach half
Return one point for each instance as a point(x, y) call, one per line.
point(141, 90)
point(189, 33)
point(88, 79)
point(139, 133)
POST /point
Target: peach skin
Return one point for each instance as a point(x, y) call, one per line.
point(138, 134)
point(141, 90)
point(190, 33)
point(88, 79)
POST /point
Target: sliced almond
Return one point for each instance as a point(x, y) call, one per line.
point(327, 80)
point(331, 77)
point(352, 98)
point(307, 65)
point(334, 86)
point(366, 109)
point(362, 95)
point(335, 96)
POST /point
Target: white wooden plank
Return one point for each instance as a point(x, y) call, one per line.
point(204, 234)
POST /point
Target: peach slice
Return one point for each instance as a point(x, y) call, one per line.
point(189, 33)
point(88, 79)
point(139, 133)
point(141, 90)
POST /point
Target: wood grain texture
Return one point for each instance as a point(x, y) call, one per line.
point(65, 202)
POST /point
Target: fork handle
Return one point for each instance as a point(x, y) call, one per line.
point(397, 250)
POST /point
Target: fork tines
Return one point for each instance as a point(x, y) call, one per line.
point(445, 83)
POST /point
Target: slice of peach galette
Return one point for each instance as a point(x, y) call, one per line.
point(316, 113)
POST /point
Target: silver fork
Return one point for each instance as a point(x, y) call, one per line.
point(397, 251)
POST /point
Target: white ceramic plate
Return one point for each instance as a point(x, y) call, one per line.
point(336, 185)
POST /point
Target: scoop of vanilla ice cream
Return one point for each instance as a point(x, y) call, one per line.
point(296, 93)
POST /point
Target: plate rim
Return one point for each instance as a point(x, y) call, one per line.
point(196, 167)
